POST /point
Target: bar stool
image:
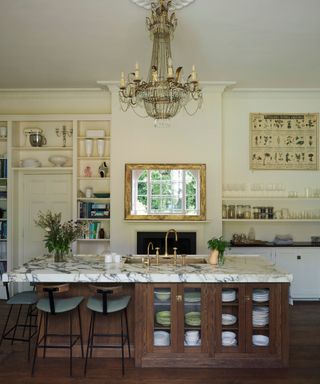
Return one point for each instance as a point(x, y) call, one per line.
point(56, 306)
point(24, 298)
point(108, 303)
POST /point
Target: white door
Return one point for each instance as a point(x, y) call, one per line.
point(41, 193)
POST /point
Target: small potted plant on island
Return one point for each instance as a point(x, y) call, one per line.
point(217, 245)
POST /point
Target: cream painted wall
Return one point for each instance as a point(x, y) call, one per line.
point(194, 139)
point(236, 108)
point(189, 140)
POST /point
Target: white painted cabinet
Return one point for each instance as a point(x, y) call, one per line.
point(303, 263)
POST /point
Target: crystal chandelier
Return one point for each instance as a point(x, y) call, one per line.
point(165, 92)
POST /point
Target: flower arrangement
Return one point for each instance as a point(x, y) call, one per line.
point(59, 236)
point(217, 246)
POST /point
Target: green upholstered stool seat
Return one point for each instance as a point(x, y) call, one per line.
point(61, 305)
point(23, 298)
point(114, 304)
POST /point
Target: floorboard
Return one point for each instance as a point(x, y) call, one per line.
point(304, 365)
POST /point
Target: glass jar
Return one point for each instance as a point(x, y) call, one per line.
point(224, 211)
point(256, 213)
point(231, 212)
point(240, 212)
point(247, 212)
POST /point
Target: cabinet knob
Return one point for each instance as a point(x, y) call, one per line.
point(298, 257)
point(247, 298)
point(179, 298)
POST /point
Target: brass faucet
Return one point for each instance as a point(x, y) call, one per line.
point(166, 240)
point(148, 260)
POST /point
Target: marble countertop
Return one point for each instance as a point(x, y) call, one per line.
point(92, 268)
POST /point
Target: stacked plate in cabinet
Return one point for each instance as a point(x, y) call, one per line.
point(260, 340)
point(229, 339)
point(228, 319)
point(163, 318)
point(192, 297)
point(260, 295)
point(193, 319)
point(260, 316)
point(161, 338)
point(229, 295)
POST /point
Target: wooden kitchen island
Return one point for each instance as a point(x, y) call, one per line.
point(179, 314)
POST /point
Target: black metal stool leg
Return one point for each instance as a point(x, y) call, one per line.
point(122, 344)
point(46, 318)
point(70, 356)
point(6, 324)
point(15, 327)
point(80, 327)
point(36, 347)
point(30, 323)
point(127, 328)
point(88, 344)
point(92, 334)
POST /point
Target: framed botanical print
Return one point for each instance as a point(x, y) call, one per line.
point(283, 141)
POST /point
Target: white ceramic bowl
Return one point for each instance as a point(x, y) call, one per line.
point(30, 163)
point(58, 161)
point(162, 295)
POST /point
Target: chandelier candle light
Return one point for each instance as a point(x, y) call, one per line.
point(165, 92)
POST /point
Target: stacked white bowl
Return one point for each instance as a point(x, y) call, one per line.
point(229, 338)
point(260, 340)
point(260, 295)
point(228, 319)
point(260, 316)
point(228, 295)
point(192, 338)
point(161, 338)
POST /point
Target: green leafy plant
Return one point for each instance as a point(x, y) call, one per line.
point(217, 243)
point(58, 236)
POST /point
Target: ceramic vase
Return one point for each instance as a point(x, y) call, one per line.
point(100, 147)
point(89, 147)
point(214, 256)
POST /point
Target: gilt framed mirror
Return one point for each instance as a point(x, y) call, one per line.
point(165, 192)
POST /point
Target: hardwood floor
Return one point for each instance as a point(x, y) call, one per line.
point(304, 366)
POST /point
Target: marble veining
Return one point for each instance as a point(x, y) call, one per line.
point(92, 268)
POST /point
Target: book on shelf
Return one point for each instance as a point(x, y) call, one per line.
point(88, 210)
point(3, 166)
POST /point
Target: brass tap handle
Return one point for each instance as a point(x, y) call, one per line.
point(157, 255)
point(175, 255)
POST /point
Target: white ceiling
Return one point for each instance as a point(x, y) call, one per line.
point(74, 43)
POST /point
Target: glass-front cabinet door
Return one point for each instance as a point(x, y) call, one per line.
point(230, 317)
point(162, 316)
point(193, 317)
point(261, 311)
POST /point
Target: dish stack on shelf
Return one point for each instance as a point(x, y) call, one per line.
point(161, 338)
point(260, 316)
point(229, 339)
point(192, 297)
point(260, 295)
point(192, 338)
point(193, 319)
point(163, 318)
point(229, 295)
point(228, 319)
point(260, 340)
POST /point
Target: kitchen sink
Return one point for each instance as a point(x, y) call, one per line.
point(188, 260)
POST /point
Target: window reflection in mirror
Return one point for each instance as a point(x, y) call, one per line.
point(165, 191)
